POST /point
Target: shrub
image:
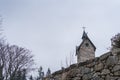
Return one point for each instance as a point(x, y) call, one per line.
point(115, 41)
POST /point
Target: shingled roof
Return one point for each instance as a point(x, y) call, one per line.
point(85, 37)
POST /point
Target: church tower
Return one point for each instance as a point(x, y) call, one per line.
point(86, 50)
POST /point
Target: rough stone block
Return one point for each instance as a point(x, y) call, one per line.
point(96, 76)
point(117, 73)
point(119, 78)
point(105, 71)
point(116, 51)
point(116, 68)
point(87, 76)
point(108, 77)
point(99, 67)
point(112, 60)
point(104, 56)
point(84, 70)
point(91, 64)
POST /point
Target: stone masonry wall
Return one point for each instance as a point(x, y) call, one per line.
point(105, 67)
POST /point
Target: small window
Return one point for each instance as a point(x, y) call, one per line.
point(86, 44)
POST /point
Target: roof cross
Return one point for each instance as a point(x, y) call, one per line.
point(84, 28)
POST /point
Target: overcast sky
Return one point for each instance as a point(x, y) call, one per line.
point(51, 29)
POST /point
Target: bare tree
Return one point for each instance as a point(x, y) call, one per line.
point(70, 60)
point(40, 74)
point(48, 72)
point(3, 51)
point(12, 60)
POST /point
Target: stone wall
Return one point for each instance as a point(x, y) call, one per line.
point(105, 67)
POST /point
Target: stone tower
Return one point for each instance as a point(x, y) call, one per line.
point(86, 50)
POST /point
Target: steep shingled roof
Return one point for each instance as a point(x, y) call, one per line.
point(85, 37)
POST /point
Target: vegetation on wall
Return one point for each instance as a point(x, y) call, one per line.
point(116, 41)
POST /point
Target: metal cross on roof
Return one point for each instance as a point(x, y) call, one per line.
point(83, 28)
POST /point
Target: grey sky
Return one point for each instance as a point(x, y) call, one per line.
point(52, 28)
